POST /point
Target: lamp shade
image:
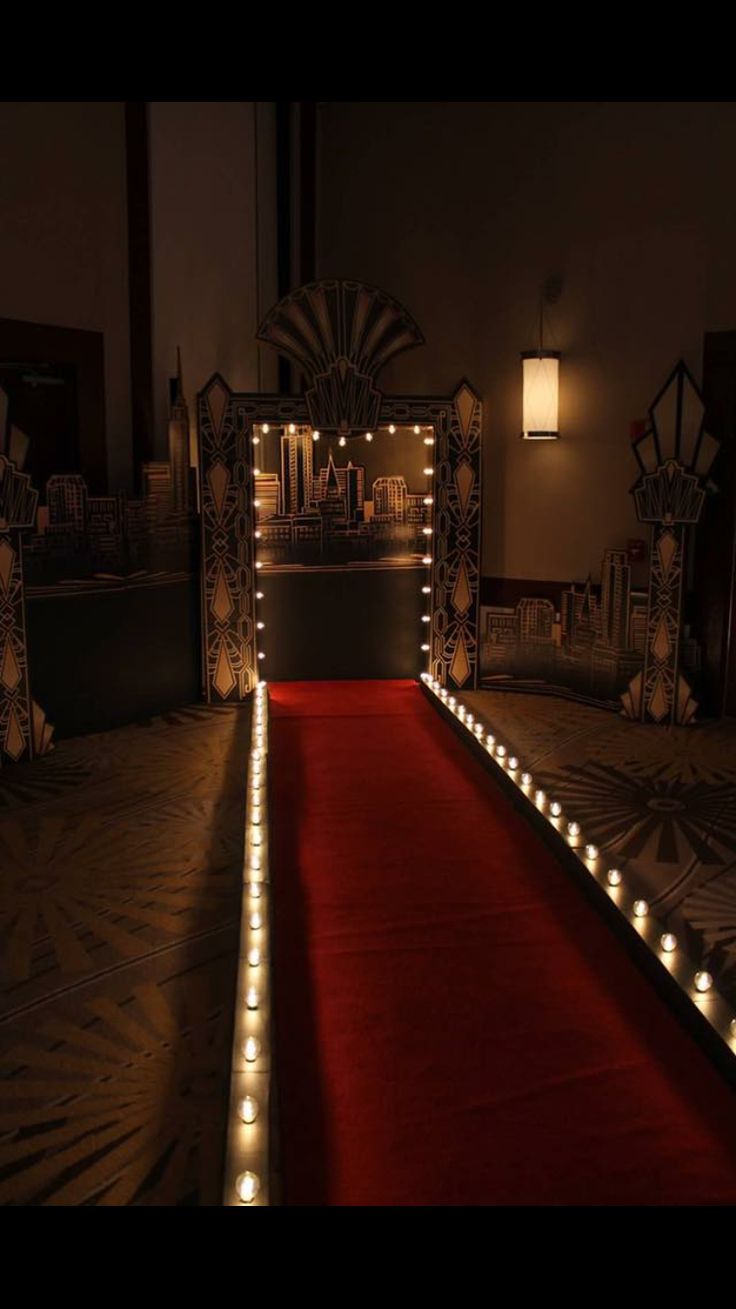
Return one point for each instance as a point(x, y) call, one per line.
point(541, 371)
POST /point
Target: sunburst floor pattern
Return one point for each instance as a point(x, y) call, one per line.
point(661, 801)
point(119, 908)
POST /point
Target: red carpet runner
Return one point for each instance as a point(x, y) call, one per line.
point(455, 1024)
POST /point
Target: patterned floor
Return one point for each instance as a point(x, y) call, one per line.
point(121, 859)
point(663, 800)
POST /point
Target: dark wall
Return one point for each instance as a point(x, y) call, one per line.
point(104, 659)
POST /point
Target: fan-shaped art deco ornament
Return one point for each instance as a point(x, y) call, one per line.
point(675, 455)
point(341, 334)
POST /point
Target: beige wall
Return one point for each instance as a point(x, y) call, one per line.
point(463, 210)
point(63, 236)
point(203, 238)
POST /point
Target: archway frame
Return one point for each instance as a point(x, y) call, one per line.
point(226, 426)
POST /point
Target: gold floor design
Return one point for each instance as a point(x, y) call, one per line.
point(121, 859)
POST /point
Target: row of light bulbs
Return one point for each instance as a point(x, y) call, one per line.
point(427, 558)
point(342, 441)
point(588, 852)
point(249, 1130)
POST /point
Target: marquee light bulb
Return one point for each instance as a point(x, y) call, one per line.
point(248, 1109)
point(256, 440)
point(555, 808)
point(251, 1049)
point(265, 429)
point(255, 861)
point(452, 702)
point(540, 797)
point(369, 436)
point(260, 626)
point(247, 1187)
point(428, 500)
point(573, 829)
point(613, 877)
point(417, 429)
point(427, 560)
point(259, 564)
point(424, 646)
point(478, 729)
point(429, 440)
point(255, 890)
point(255, 922)
point(470, 720)
point(591, 851)
point(703, 982)
point(427, 531)
point(392, 428)
point(315, 436)
point(443, 693)
point(259, 595)
point(255, 817)
point(292, 429)
point(500, 751)
point(258, 534)
point(668, 942)
point(426, 618)
point(428, 472)
point(641, 908)
point(256, 504)
point(261, 655)
point(513, 763)
point(251, 998)
point(426, 590)
point(526, 779)
point(256, 837)
point(254, 956)
point(256, 472)
point(342, 441)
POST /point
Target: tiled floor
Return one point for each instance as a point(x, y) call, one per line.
point(121, 858)
point(662, 800)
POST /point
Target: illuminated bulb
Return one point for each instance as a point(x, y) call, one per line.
point(526, 779)
point(369, 436)
point(733, 1028)
point(254, 956)
point(591, 851)
point(417, 429)
point(428, 500)
point(256, 440)
point(428, 472)
point(251, 998)
point(256, 472)
point(613, 877)
point(259, 595)
point(573, 829)
point(255, 921)
point(259, 564)
point(260, 626)
point(641, 908)
point(424, 646)
point(452, 702)
point(265, 429)
point(315, 436)
point(470, 720)
point(427, 559)
point(342, 441)
point(258, 534)
point(435, 685)
point(668, 942)
point(256, 837)
point(443, 694)
point(501, 751)
point(429, 440)
point(255, 861)
point(292, 429)
point(256, 504)
point(555, 808)
point(261, 655)
point(391, 428)
point(255, 890)
point(478, 729)
point(251, 1049)
point(247, 1187)
point(248, 1109)
point(540, 797)
point(513, 763)
point(703, 982)
point(255, 817)
point(461, 711)
point(426, 618)
point(427, 531)
point(426, 590)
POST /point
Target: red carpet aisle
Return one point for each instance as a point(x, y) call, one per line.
point(456, 1025)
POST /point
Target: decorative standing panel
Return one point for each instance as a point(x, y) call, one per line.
point(16, 718)
point(228, 627)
